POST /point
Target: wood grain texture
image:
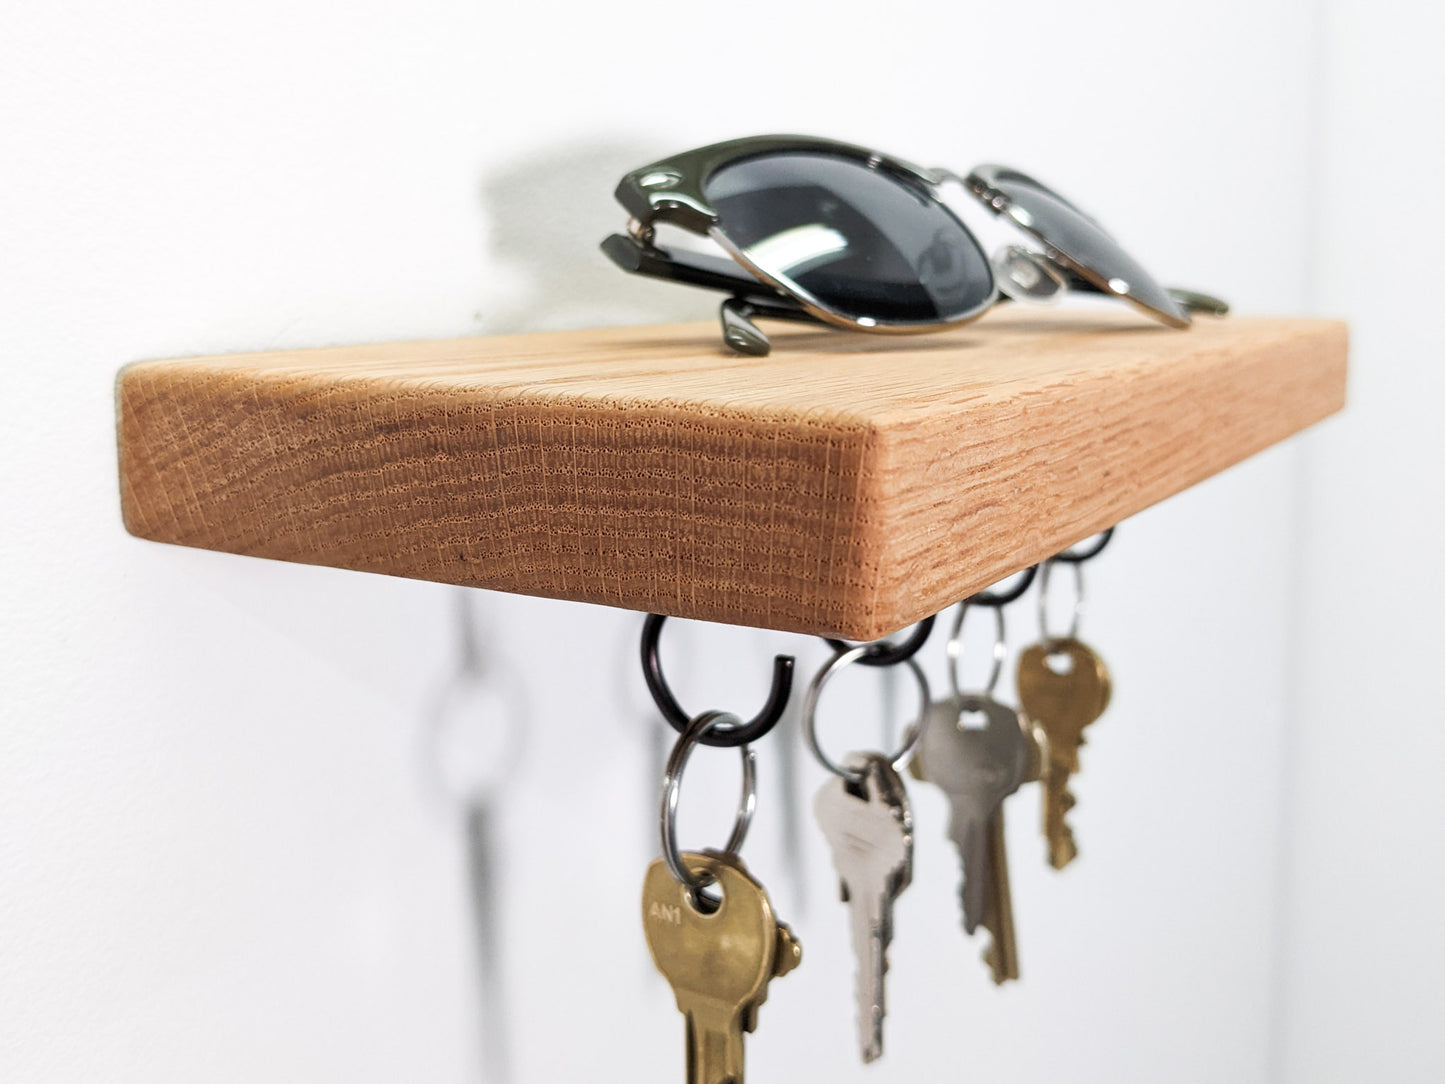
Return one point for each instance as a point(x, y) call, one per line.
point(848, 485)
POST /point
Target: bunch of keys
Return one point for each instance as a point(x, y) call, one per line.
point(978, 751)
point(1063, 687)
point(719, 951)
point(865, 816)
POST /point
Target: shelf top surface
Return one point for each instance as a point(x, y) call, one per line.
point(847, 484)
point(812, 372)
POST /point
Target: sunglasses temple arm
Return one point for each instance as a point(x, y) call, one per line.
point(751, 299)
point(693, 269)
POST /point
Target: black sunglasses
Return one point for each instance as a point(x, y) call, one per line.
point(835, 233)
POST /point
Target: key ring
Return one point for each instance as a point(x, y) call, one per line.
point(955, 648)
point(810, 707)
point(672, 788)
point(1044, 571)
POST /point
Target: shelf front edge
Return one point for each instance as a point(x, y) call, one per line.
point(848, 486)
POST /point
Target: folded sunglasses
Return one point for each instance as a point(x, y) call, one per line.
point(826, 231)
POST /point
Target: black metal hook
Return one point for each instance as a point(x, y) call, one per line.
point(1026, 578)
point(1003, 598)
point(680, 720)
point(1068, 556)
point(882, 653)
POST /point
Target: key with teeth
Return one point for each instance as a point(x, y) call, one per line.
point(1063, 687)
point(718, 960)
point(1002, 954)
point(869, 828)
point(977, 767)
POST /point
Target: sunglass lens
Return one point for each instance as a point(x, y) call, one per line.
point(1082, 241)
point(868, 245)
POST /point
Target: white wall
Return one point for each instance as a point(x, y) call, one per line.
point(1363, 882)
point(223, 851)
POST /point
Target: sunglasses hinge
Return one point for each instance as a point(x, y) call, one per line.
point(641, 232)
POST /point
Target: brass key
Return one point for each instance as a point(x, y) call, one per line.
point(1002, 954)
point(718, 963)
point(1061, 705)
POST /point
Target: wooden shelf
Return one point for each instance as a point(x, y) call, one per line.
point(847, 485)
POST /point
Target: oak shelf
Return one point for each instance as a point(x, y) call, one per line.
point(847, 485)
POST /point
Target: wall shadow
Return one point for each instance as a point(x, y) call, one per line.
point(546, 215)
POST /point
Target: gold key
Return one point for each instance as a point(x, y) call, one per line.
point(1061, 702)
point(1002, 954)
point(718, 963)
point(1038, 746)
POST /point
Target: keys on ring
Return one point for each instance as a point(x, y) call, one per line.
point(977, 750)
point(710, 925)
point(865, 816)
point(718, 952)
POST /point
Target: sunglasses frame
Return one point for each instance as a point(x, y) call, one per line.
point(670, 191)
point(985, 182)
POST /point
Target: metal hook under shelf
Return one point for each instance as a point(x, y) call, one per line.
point(727, 737)
point(882, 653)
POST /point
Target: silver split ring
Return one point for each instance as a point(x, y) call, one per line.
point(955, 649)
point(672, 788)
point(1078, 613)
point(815, 690)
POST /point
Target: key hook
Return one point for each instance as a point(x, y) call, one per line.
point(1026, 577)
point(722, 735)
point(1071, 557)
point(882, 653)
point(1000, 599)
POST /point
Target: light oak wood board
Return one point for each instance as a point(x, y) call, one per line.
point(847, 485)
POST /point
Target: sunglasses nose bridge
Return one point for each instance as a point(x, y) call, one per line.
point(1026, 276)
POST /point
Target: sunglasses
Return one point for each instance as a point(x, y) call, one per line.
point(828, 232)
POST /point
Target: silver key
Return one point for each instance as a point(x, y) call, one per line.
point(976, 767)
point(869, 828)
